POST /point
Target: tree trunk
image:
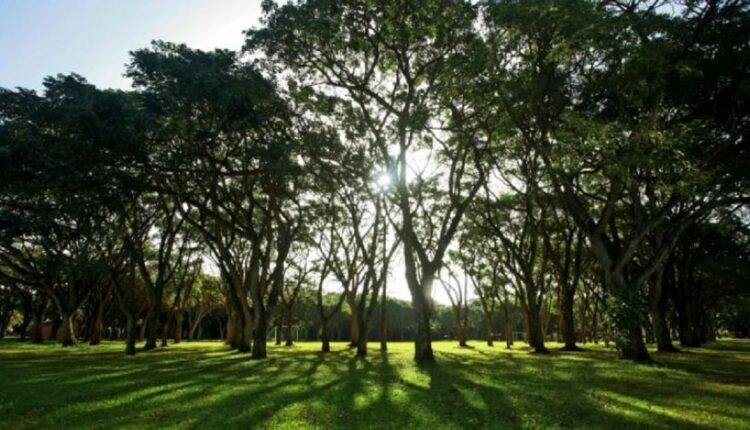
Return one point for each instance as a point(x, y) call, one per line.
point(536, 335)
point(362, 345)
point(131, 335)
point(37, 336)
point(289, 340)
point(490, 331)
point(27, 317)
point(244, 327)
point(97, 325)
point(383, 323)
point(634, 348)
point(661, 328)
point(325, 337)
point(164, 332)
point(68, 333)
point(354, 329)
point(178, 316)
point(423, 337)
point(709, 332)
point(278, 330)
point(648, 327)
point(362, 338)
point(689, 336)
point(461, 333)
point(152, 322)
point(595, 326)
point(583, 315)
point(231, 331)
point(627, 317)
point(567, 323)
point(507, 322)
point(259, 335)
point(231, 334)
point(525, 324)
point(460, 327)
point(508, 334)
point(56, 323)
point(4, 323)
point(545, 314)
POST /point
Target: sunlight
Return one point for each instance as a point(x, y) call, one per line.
point(383, 180)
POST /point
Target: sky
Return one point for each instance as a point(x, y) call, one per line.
point(93, 38)
point(39, 38)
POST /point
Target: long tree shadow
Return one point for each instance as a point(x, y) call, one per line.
point(209, 386)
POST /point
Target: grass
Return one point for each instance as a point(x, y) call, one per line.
point(203, 385)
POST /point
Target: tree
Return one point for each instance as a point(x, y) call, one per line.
point(230, 151)
point(328, 247)
point(97, 304)
point(301, 268)
point(160, 249)
point(204, 297)
point(400, 89)
point(183, 286)
point(33, 304)
point(565, 243)
point(63, 154)
point(516, 222)
point(625, 158)
point(475, 259)
point(458, 293)
point(7, 307)
point(707, 271)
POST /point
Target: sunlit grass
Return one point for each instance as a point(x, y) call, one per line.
point(203, 385)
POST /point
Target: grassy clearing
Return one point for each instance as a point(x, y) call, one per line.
point(202, 385)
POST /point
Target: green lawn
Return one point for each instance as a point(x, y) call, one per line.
point(203, 386)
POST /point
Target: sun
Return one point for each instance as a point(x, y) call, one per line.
point(383, 180)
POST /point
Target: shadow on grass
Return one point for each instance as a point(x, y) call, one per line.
point(205, 385)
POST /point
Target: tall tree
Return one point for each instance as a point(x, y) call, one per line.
point(234, 155)
point(396, 68)
point(65, 157)
point(625, 158)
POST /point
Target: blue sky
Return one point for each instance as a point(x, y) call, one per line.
point(93, 37)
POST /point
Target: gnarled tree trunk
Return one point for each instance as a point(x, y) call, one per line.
point(536, 334)
point(68, 337)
